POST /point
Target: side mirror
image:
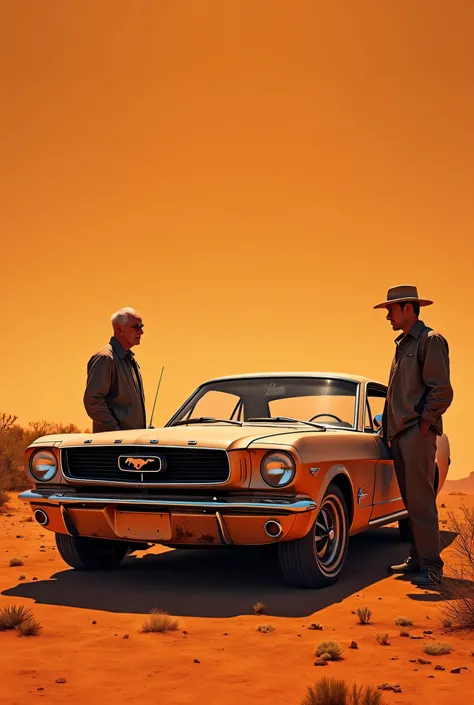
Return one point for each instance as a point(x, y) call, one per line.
point(378, 421)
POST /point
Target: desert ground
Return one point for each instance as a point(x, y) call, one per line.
point(91, 640)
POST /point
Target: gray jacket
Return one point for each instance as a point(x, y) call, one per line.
point(114, 397)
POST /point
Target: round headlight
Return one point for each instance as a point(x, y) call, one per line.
point(43, 465)
point(278, 469)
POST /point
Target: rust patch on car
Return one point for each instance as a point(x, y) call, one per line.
point(183, 533)
point(206, 538)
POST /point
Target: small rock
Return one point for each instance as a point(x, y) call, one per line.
point(196, 661)
point(225, 634)
point(353, 611)
point(428, 616)
point(385, 686)
point(394, 658)
point(39, 688)
point(184, 631)
point(380, 598)
point(439, 668)
point(415, 636)
point(353, 645)
point(427, 631)
point(60, 680)
point(413, 660)
point(320, 662)
point(34, 578)
point(126, 636)
point(424, 662)
point(316, 626)
point(430, 676)
point(298, 634)
point(459, 670)
point(19, 536)
point(94, 622)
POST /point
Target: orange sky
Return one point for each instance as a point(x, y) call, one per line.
point(251, 176)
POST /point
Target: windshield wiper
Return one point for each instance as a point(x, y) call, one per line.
point(206, 419)
point(288, 418)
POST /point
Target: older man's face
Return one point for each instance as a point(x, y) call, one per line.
point(397, 316)
point(132, 331)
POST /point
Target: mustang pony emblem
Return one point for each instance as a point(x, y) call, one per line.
point(138, 463)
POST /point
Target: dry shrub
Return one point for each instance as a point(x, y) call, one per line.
point(336, 692)
point(259, 608)
point(364, 614)
point(16, 562)
point(437, 649)
point(30, 627)
point(160, 622)
point(383, 639)
point(403, 622)
point(265, 628)
point(331, 649)
point(457, 587)
point(12, 617)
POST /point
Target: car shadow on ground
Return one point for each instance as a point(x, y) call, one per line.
point(216, 583)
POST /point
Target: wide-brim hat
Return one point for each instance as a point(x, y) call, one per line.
point(403, 294)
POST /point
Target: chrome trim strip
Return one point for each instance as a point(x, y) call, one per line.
point(222, 528)
point(388, 518)
point(387, 501)
point(97, 481)
point(296, 506)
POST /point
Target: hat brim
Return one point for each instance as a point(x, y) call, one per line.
point(422, 302)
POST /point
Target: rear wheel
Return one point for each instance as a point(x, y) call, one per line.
point(85, 553)
point(317, 559)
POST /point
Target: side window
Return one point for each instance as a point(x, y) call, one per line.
point(374, 405)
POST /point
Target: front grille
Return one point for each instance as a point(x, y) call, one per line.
point(183, 465)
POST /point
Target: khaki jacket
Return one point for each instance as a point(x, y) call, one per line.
point(114, 397)
point(419, 386)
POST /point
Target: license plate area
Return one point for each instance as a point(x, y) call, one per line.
point(143, 526)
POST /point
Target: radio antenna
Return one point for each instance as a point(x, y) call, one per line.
point(156, 397)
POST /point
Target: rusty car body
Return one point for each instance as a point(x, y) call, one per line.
point(290, 458)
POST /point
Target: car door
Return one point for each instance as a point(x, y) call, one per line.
point(386, 499)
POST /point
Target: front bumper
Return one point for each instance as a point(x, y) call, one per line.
point(176, 521)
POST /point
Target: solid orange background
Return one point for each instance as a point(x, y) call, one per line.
point(251, 176)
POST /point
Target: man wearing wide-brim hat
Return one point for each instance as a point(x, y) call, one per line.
point(419, 392)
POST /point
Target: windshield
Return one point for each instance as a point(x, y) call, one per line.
point(327, 401)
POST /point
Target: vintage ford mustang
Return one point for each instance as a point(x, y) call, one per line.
point(293, 459)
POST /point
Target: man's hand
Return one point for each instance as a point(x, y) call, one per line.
point(424, 426)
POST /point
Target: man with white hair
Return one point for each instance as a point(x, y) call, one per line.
point(114, 397)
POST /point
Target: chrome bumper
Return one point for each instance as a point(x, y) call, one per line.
point(297, 505)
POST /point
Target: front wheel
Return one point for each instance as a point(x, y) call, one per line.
point(85, 553)
point(317, 559)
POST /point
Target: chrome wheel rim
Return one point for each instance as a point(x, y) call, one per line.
point(330, 536)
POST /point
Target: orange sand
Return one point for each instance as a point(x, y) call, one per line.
point(213, 593)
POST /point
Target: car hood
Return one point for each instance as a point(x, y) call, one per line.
point(205, 436)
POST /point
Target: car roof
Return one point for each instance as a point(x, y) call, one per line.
point(325, 375)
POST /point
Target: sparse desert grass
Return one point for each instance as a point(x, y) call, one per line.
point(336, 692)
point(457, 588)
point(364, 614)
point(383, 639)
point(329, 650)
point(403, 622)
point(12, 616)
point(437, 649)
point(30, 627)
point(159, 622)
point(265, 628)
point(16, 562)
point(446, 623)
point(259, 608)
